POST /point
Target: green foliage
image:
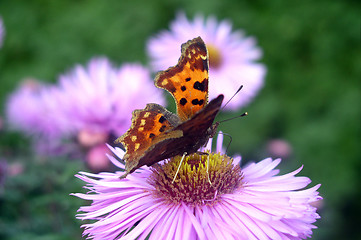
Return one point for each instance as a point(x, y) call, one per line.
point(311, 96)
point(36, 204)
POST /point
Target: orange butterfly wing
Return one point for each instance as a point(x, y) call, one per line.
point(149, 126)
point(188, 80)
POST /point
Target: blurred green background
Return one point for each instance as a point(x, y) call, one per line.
point(311, 97)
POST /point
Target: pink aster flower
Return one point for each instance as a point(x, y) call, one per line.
point(252, 202)
point(35, 108)
point(89, 104)
point(232, 56)
point(101, 98)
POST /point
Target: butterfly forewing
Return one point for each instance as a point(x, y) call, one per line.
point(188, 80)
point(198, 127)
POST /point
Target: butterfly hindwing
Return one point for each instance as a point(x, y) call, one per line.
point(188, 80)
point(149, 126)
point(195, 134)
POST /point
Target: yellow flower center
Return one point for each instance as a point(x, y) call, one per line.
point(215, 57)
point(195, 184)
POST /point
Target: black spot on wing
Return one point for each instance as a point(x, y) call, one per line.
point(197, 102)
point(161, 119)
point(188, 79)
point(205, 65)
point(183, 101)
point(183, 88)
point(152, 135)
point(162, 128)
point(201, 86)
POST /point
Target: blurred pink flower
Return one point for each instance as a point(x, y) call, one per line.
point(2, 32)
point(101, 98)
point(89, 138)
point(279, 148)
point(249, 203)
point(89, 104)
point(232, 56)
point(1, 123)
point(9, 169)
point(3, 172)
point(96, 158)
point(15, 169)
point(36, 109)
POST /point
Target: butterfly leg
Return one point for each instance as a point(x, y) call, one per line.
point(202, 153)
point(209, 180)
point(124, 175)
point(181, 161)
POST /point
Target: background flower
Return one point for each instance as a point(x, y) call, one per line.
point(2, 32)
point(264, 206)
point(36, 109)
point(101, 98)
point(93, 104)
point(232, 56)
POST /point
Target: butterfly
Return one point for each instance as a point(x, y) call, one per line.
point(156, 133)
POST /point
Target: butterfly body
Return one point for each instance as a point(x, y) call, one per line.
point(185, 137)
point(156, 133)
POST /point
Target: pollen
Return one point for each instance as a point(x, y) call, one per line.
point(142, 121)
point(134, 138)
point(136, 146)
point(195, 183)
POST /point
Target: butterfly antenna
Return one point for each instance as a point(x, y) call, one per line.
point(230, 141)
point(226, 134)
point(242, 115)
point(239, 89)
point(181, 161)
